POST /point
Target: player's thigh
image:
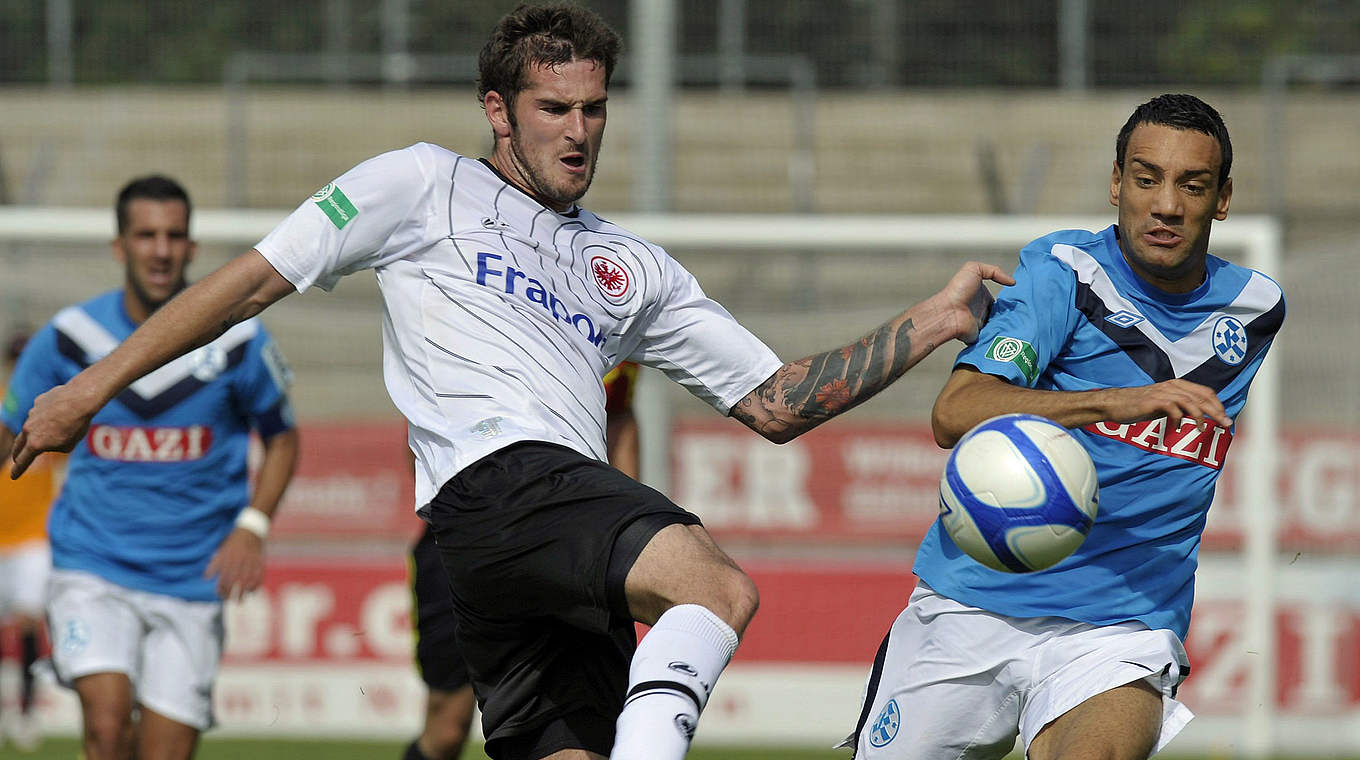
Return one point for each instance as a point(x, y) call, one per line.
point(1127, 671)
point(181, 653)
point(1120, 724)
point(93, 627)
point(945, 685)
point(106, 703)
point(681, 564)
point(541, 531)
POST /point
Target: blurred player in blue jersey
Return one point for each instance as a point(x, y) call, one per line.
point(155, 524)
point(449, 699)
point(504, 304)
point(1144, 344)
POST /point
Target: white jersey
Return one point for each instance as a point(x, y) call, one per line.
point(501, 316)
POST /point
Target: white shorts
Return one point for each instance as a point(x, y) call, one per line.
point(955, 682)
point(23, 578)
point(169, 647)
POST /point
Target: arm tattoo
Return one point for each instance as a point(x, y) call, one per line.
point(805, 393)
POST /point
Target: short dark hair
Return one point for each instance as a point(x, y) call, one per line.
point(154, 187)
point(1182, 112)
point(542, 35)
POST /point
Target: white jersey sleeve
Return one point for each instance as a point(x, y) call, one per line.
point(370, 216)
point(698, 344)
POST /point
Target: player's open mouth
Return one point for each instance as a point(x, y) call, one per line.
point(577, 162)
point(1161, 236)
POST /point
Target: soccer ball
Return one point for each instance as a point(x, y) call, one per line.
point(1019, 493)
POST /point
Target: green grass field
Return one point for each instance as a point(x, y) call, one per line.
point(278, 749)
point(282, 749)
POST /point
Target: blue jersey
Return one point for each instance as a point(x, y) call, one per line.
point(155, 486)
point(1077, 319)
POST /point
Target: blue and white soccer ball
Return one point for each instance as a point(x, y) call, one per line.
point(1019, 493)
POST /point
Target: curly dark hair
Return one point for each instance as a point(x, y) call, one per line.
point(1182, 112)
point(542, 35)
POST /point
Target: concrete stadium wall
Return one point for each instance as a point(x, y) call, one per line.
point(897, 152)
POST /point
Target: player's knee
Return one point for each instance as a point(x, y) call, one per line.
point(741, 599)
point(108, 732)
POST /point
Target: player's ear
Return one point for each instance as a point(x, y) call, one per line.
point(498, 113)
point(119, 253)
point(1224, 196)
point(1114, 184)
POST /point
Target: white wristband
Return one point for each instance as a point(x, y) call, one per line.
point(254, 521)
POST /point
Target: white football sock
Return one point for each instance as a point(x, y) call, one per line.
point(673, 671)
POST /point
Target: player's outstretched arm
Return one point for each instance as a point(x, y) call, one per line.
point(805, 393)
point(239, 562)
point(970, 396)
point(239, 290)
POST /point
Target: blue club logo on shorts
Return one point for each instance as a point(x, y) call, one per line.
point(75, 636)
point(885, 725)
point(1230, 340)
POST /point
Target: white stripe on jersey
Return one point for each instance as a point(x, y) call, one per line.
point(1193, 349)
point(97, 342)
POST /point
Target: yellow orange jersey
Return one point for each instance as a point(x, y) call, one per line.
point(618, 387)
point(24, 503)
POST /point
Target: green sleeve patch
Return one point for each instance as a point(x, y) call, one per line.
point(1017, 352)
point(11, 405)
point(332, 200)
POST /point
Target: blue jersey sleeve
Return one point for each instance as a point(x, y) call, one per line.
point(1030, 322)
point(261, 387)
point(38, 371)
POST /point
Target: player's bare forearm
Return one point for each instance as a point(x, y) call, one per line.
point(240, 289)
point(805, 393)
point(970, 396)
point(238, 563)
point(276, 471)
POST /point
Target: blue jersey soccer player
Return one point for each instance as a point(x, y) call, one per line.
point(1145, 345)
point(155, 523)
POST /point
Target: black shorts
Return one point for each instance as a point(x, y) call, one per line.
point(537, 541)
point(440, 663)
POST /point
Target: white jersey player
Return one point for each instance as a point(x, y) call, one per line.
point(504, 304)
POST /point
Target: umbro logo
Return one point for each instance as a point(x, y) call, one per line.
point(1124, 318)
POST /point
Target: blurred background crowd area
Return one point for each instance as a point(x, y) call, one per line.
point(836, 107)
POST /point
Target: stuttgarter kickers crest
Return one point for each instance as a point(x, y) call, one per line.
point(612, 278)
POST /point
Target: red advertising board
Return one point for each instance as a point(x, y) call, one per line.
point(845, 482)
point(340, 613)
